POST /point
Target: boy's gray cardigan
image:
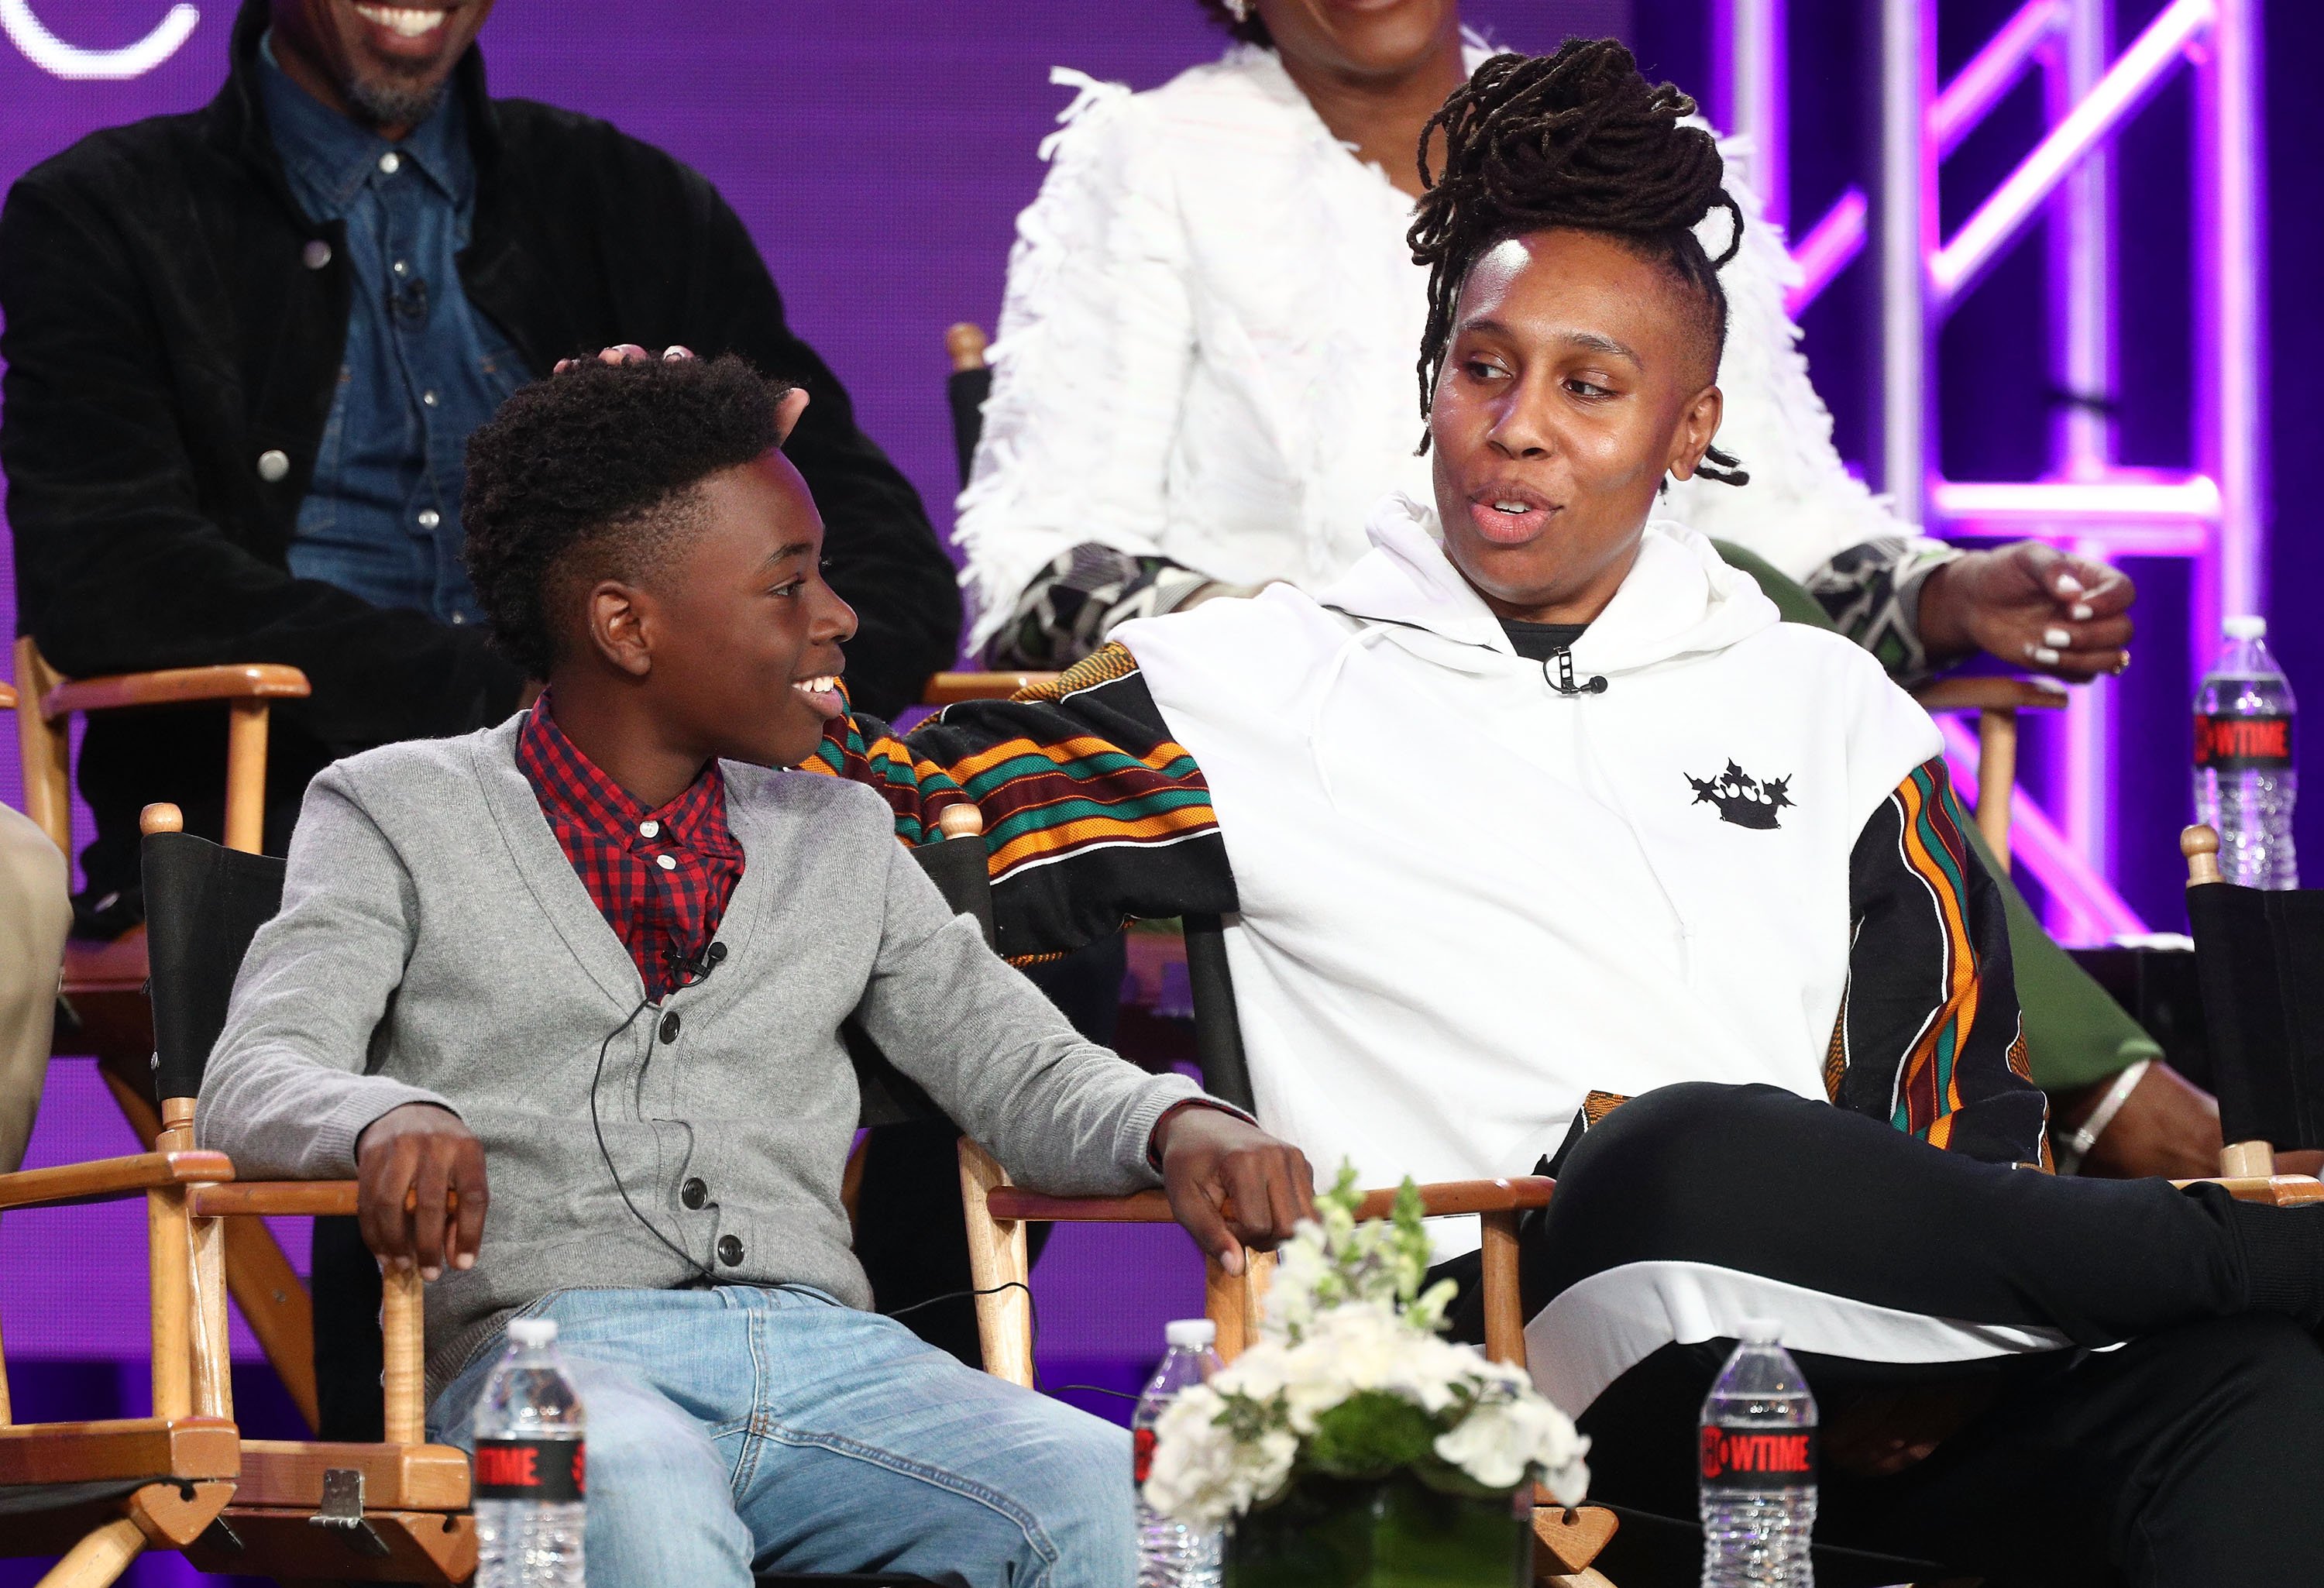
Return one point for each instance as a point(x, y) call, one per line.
point(435, 946)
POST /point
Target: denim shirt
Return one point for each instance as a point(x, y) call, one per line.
point(422, 368)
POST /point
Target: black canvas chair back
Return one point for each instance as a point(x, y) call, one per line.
point(1218, 1033)
point(891, 1097)
point(2259, 960)
point(965, 390)
point(203, 905)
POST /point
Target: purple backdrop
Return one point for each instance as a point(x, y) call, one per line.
point(879, 155)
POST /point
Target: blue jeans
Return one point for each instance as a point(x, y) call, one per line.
point(742, 1429)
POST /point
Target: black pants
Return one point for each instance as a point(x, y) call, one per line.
point(2191, 1455)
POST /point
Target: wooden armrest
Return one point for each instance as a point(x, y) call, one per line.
point(289, 1474)
point(287, 1199)
point(2278, 1190)
point(105, 1178)
point(949, 688)
point(255, 680)
point(118, 1450)
point(1983, 694)
point(1445, 1199)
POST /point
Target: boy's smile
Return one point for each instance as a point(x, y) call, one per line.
point(730, 648)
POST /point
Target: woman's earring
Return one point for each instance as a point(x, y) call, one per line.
point(1240, 8)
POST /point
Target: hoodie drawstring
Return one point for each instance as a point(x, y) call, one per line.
point(1355, 642)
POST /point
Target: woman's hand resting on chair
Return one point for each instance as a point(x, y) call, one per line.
point(1212, 1159)
point(420, 1198)
point(2032, 606)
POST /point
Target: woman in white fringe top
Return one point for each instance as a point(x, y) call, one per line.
point(1204, 379)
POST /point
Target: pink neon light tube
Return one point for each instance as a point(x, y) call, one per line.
point(2133, 79)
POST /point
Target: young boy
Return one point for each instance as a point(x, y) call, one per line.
point(604, 953)
point(1540, 808)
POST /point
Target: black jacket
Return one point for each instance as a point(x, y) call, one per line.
point(164, 331)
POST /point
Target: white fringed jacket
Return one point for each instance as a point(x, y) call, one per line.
point(1206, 356)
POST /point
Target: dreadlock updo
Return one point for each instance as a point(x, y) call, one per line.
point(1578, 141)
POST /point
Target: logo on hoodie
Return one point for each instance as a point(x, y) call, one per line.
point(1742, 799)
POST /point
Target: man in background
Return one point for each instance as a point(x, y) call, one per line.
point(246, 346)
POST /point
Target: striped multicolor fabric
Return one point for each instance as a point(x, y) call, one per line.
point(1092, 813)
point(1047, 796)
point(866, 751)
point(1929, 1036)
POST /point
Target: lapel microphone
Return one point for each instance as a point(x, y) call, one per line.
point(698, 969)
point(1563, 683)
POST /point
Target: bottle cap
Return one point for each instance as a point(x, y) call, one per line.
point(1193, 1333)
point(1761, 1332)
point(531, 1334)
point(2245, 626)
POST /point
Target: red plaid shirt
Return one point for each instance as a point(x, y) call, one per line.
point(662, 878)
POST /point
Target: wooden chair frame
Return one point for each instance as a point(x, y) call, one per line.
point(402, 1515)
point(1997, 702)
point(998, 1212)
point(133, 1484)
point(104, 982)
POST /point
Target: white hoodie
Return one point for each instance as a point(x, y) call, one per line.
point(1467, 901)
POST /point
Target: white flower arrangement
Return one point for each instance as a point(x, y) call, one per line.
point(1351, 1378)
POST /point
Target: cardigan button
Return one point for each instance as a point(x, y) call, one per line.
point(670, 1027)
point(694, 1193)
point(316, 254)
point(274, 465)
point(730, 1250)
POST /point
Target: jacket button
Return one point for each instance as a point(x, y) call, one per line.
point(316, 254)
point(670, 1027)
point(730, 1250)
point(272, 465)
point(694, 1193)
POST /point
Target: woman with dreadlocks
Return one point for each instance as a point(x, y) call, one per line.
point(1197, 391)
point(1202, 383)
point(1538, 836)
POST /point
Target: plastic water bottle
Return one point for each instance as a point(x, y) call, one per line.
point(1172, 1554)
point(2244, 780)
point(528, 1479)
point(1758, 1468)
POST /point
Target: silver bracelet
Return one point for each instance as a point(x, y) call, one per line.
point(2071, 1148)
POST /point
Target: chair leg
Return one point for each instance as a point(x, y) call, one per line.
point(403, 1374)
point(999, 1267)
point(99, 1560)
point(273, 1297)
point(1226, 1302)
point(2247, 1160)
point(45, 746)
point(1504, 1307)
point(245, 776)
point(1258, 1280)
point(1996, 775)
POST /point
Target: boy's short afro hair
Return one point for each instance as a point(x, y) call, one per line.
point(591, 474)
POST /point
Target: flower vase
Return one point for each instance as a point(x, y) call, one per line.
point(1395, 1533)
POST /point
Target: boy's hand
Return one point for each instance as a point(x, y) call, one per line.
point(420, 1174)
point(1210, 1157)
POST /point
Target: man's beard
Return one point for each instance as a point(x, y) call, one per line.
point(384, 102)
